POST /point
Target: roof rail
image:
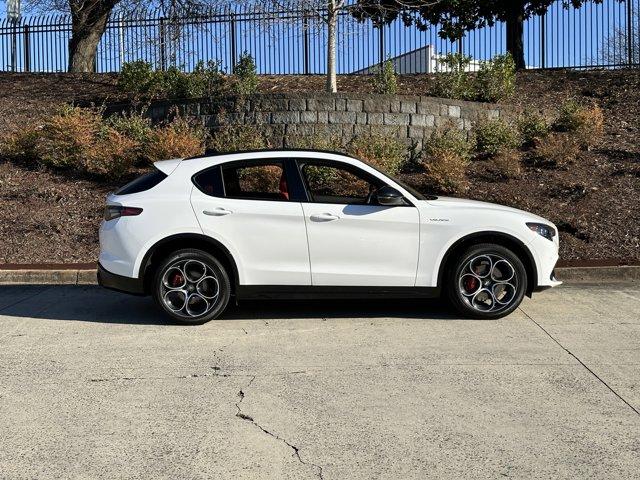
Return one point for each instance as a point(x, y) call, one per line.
point(212, 153)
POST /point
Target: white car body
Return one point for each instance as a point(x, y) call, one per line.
point(297, 243)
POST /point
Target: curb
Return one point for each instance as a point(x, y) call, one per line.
point(81, 275)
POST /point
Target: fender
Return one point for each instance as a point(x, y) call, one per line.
point(489, 233)
point(190, 238)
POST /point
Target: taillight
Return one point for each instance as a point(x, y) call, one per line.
point(115, 211)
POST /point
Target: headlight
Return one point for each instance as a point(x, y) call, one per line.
point(546, 231)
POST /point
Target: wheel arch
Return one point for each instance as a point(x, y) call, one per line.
point(169, 244)
point(514, 244)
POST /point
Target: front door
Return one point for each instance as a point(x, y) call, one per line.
point(246, 206)
point(352, 240)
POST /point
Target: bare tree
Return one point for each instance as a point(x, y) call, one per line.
point(622, 45)
point(89, 21)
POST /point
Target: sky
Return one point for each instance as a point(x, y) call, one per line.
point(565, 38)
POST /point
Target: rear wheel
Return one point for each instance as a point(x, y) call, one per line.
point(191, 286)
point(488, 281)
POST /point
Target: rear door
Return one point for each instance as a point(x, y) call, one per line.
point(352, 240)
point(247, 206)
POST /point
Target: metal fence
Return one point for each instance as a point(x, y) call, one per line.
point(294, 42)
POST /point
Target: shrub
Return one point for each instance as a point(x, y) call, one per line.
point(112, 154)
point(135, 128)
point(532, 127)
point(585, 123)
point(453, 79)
point(557, 150)
point(317, 141)
point(448, 140)
point(495, 135)
point(385, 80)
point(496, 79)
point(67, 136)
point(447, 172)
point(387, 153)
point(446, 157)
point(507, 164)
point(177, 139)
point(138, 79)
point(20, 142)
point(246, 75)
point(231, 138)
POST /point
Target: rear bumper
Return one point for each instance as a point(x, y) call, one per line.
point(119, 283)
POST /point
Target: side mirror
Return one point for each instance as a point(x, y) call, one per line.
point(389, 197)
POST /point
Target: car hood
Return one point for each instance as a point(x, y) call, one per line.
point(464, 204)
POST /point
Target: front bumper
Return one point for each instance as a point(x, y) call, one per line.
point(120, 283)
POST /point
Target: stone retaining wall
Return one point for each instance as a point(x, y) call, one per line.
point(340, 116)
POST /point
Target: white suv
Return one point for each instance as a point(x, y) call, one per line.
point(308, 224)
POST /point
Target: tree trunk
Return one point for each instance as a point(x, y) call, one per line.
point(332, 20)
point(515, 35)
point(88, 23)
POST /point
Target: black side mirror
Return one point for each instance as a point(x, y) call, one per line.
point(389, 197)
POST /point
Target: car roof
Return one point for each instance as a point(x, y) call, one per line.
point(270, 153)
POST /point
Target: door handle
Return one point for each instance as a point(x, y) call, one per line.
point(218, 212)
point(324, 217)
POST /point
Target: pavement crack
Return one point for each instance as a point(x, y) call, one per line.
point(248, 418)
point(581, 363)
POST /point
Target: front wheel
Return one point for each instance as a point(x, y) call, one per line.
point(191, 286)
point(487, 282)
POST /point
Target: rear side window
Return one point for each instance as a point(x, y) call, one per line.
point(263, 181)
point(143, 183)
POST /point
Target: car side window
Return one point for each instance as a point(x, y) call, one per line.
point(329, 183)
point(264, 181)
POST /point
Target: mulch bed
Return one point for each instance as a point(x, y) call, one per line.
point(48, 217)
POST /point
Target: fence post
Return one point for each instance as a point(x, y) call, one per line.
point(27, 48)
point(305, 34)
point(381, 46)
point(163, 47)
point(629, 33)
point(232, 42)
point(14, 46)
point(543, 42)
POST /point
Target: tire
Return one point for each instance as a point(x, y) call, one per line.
point(191, 286)
point(493, 289)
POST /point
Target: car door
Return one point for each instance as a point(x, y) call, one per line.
point(246, 205)
point(352, 240)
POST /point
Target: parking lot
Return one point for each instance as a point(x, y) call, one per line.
point(96, 384)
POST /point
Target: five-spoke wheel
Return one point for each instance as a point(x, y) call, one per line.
point(192, 286)
point(489, 281)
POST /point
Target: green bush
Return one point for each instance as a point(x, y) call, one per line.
point(138, 79)
point(385, 79)
point(386, 153)
point(317, 141)
point(453, 79)
point(496, 79)
point(135, 127)
point(233, 138)
point(532, 127)
point(246, 75)
point(495, 135)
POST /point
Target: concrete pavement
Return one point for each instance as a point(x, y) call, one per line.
point(95, 384)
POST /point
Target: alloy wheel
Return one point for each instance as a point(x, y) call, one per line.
point(488, 283)
point(189, 288)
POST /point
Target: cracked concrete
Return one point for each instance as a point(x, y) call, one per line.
point(94, 384)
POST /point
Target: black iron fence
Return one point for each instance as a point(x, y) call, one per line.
point(605, 35)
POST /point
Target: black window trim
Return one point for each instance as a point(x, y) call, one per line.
point(302, 161)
